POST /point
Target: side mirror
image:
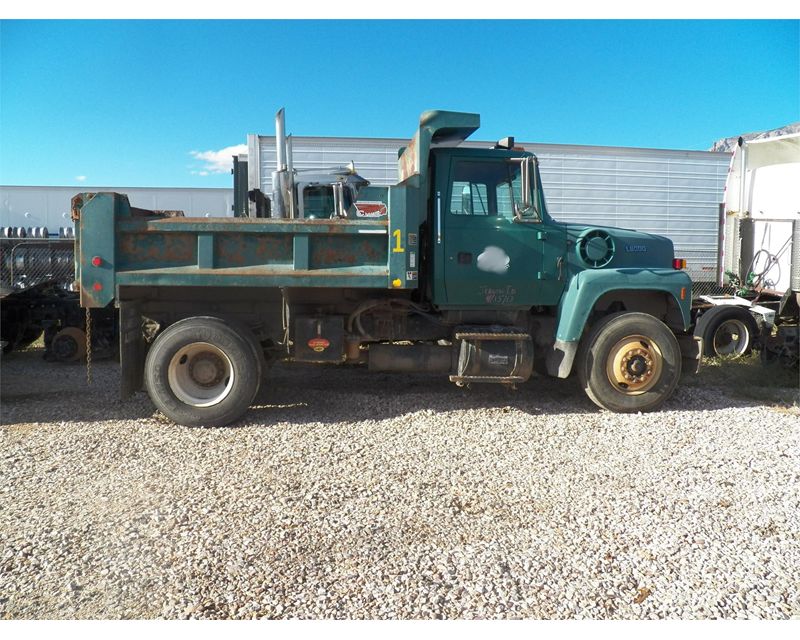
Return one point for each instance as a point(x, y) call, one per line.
point(526, 169)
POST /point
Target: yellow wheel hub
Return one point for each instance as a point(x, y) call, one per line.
point(634, 365)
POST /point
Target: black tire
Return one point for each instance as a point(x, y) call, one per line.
point(730, 332)
point(221, 350)
point(258, 352)
point(607, 341)
point(69, 345)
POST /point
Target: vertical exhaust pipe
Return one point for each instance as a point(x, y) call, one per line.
point(280, 139)
point(290, 178)
point(283, 178)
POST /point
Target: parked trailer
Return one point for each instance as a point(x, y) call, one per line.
point(467, 275)
point(37, 298)
point(760, 239)
point(37, 265)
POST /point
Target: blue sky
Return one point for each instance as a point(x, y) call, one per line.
point(125, 103)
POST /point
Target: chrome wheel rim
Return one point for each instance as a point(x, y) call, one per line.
point(731, 338)
point(200, 374)
point(634, 365)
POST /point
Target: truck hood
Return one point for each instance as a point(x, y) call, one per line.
point(598, 247)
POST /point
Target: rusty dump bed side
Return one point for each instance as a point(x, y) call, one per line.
point(119, 245)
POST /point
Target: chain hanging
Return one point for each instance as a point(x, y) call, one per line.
point(88, 346)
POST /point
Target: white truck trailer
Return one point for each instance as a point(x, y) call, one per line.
point(759, 255)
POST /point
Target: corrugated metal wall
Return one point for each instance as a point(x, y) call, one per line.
point(671, 193)
point(49, 206)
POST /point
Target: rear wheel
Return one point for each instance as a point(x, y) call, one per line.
point(629, 362)
point(730, 333)
point(202, 372)
point(69, 345)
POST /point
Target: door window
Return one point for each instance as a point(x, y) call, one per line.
point(469, 198)
point(488, 188)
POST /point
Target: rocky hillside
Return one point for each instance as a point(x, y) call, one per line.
point(728, 144)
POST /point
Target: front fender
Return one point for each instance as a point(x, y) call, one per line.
point(586, 287)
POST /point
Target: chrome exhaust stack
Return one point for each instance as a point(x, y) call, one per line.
point(283, 178)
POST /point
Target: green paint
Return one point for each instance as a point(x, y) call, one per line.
point(488, 257)
point(205, 251)
point(398, 248)
point(96, 237)
point(301, 252)
point(587, 286)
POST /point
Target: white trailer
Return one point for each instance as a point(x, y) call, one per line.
point(759, 254)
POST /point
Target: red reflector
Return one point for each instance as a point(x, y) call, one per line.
point(679, 263)
point(97, 286)
point(97, 261)
point(683, 293)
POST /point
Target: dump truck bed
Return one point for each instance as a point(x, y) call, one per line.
point(120, 245)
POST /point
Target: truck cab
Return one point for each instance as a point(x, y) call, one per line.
point(495, 245)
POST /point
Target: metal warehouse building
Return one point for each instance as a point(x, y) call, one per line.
point(668, 192)
point(50, 206)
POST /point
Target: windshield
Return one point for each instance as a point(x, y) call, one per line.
point(489, 188)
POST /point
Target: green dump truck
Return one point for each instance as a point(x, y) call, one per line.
point(461, 272)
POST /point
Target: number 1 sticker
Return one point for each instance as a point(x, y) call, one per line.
point(398, 247)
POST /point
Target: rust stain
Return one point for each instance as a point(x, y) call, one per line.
point(136, 212)
point(236, 256)
point(231, 250)
point(77, 203)
point(288, 272)
point(269, 249)
point(126, 245)
point(262, 249)
point(170, 249)
point(408, 161)
point(253, 250)
point(371, 250)
point(179, 248)
point(89, 301)
point(330, 255)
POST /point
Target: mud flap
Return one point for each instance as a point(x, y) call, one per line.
point(131, 349)
point(691, 354)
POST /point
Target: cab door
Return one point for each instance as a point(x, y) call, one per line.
point(487, 257)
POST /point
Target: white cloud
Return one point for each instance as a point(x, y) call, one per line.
point(80, 178)
point(217, 161)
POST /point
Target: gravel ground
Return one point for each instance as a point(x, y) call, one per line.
point(350, 495)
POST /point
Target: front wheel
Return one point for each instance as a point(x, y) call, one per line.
point(202, 372)
point(629, 362)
